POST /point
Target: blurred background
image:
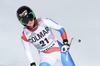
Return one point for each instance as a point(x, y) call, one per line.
point(80, 18)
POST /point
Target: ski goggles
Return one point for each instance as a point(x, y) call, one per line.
point(29, 17)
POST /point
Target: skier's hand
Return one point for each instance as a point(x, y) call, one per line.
point(65, 46)
point(33, 64)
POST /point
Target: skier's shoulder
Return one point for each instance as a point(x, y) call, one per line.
point(24, 34)
point(48, 19)
point(25, 31)
point(44, 19)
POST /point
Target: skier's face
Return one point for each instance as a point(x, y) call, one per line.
point(30, 23)
point(26, 17)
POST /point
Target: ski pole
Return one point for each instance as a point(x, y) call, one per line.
point(66, 48)
point(78, 40)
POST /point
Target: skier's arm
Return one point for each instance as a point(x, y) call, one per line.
point(62, 31)
point(27, 50)
point(52, 24)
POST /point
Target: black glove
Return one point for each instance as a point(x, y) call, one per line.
point(33, 64)
point(65, 46)
point(65, 42)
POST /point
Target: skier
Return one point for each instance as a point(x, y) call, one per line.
point(38, 31)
